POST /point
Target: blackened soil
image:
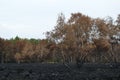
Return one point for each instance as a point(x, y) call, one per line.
point(59, 71)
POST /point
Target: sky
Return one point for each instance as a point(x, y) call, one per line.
point(32, 18)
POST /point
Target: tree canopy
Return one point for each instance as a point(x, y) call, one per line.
point(80, 38)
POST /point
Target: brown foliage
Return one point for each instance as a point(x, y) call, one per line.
point(80, 37)
point(102, 44)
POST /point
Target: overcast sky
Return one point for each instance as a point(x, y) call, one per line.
point(31, 18)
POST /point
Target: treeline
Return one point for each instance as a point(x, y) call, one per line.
point(23, 50)
point(78, 39)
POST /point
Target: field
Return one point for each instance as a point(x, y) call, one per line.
point(59, 71)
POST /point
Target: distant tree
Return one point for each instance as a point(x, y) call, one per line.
point(8, 51)
point(2, 50)
point(81, 25)
point(28, 52)
point(57, 35)
point(41, 51)
point(102, 49)
point(17, 38)
point(118, 21)
point(19, 46)
point(34, 41)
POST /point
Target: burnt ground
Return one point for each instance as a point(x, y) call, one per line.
point(59, 71)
